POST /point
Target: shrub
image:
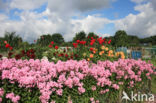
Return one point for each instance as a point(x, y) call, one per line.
point(77, 81)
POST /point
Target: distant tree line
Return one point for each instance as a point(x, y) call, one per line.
point(121, 38)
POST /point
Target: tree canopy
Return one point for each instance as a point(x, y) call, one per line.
point(80, 36)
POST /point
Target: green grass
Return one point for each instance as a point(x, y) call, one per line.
point(154, 78)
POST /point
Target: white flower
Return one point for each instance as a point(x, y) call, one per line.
point(4, 57)
point(53, 58)
point(44, 58)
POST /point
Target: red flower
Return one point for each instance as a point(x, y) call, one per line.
point(61, 55)
point(32, 50)
point(56, 47)
point(75, 45)
point(10, 54)
point(54, 54)
point(82, 42)
point(71, 57)
point(10, 48)
point(52, 42)
point(50, 46)
point(91, 43)
point(109, 41)
point(76, 55)
point(7, 45)
point(92, 38)
point(78, 41)
point(66, 55)
point(32, 56)
point(100, 40)
point(23, 52)
point(91, 49)
point(64, 50)
point(18, 56)
point(0, 56)
point(88, 37)
point(28, 53)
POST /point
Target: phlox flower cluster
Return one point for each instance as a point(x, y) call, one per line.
point(52, 78)
point(1, 94)
point(13, 98)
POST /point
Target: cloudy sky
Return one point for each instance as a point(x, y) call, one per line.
point(32, 18)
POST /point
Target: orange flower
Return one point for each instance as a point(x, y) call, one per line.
point(94, 51)
point(100, 53)
point(91, 55)
point(111, 51)
point(106, 48)
point(88, 59)
point(109, 55)
point(121, 54)
point(122, 57)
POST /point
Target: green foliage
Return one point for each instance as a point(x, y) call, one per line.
point(121, 38)
point(13, 39)
point(57, 38)
point(133, 40)
point(80, 36)
point(45, 40)
point(149, 40)
point(28, 95)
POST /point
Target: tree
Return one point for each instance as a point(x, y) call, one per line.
point(133, 40)
point(80, 36)
point(92, 34)
point(121, 38)
point(148, 40)
point(57, 38)
point(44, 40)
point(13, 39)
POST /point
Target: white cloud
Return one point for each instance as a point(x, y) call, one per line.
point(30, 27)
point(26, 4)
point(142, 24)
point(59, 15)
point(138, 1)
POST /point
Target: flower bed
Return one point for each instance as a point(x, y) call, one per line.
point(35, 81)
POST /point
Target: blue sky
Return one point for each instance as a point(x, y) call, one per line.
point(32, 18)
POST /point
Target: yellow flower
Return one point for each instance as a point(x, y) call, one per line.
point(121, 54)
point(84, 54)
point(91, 55)
point(110, 55)
point(103, 47)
